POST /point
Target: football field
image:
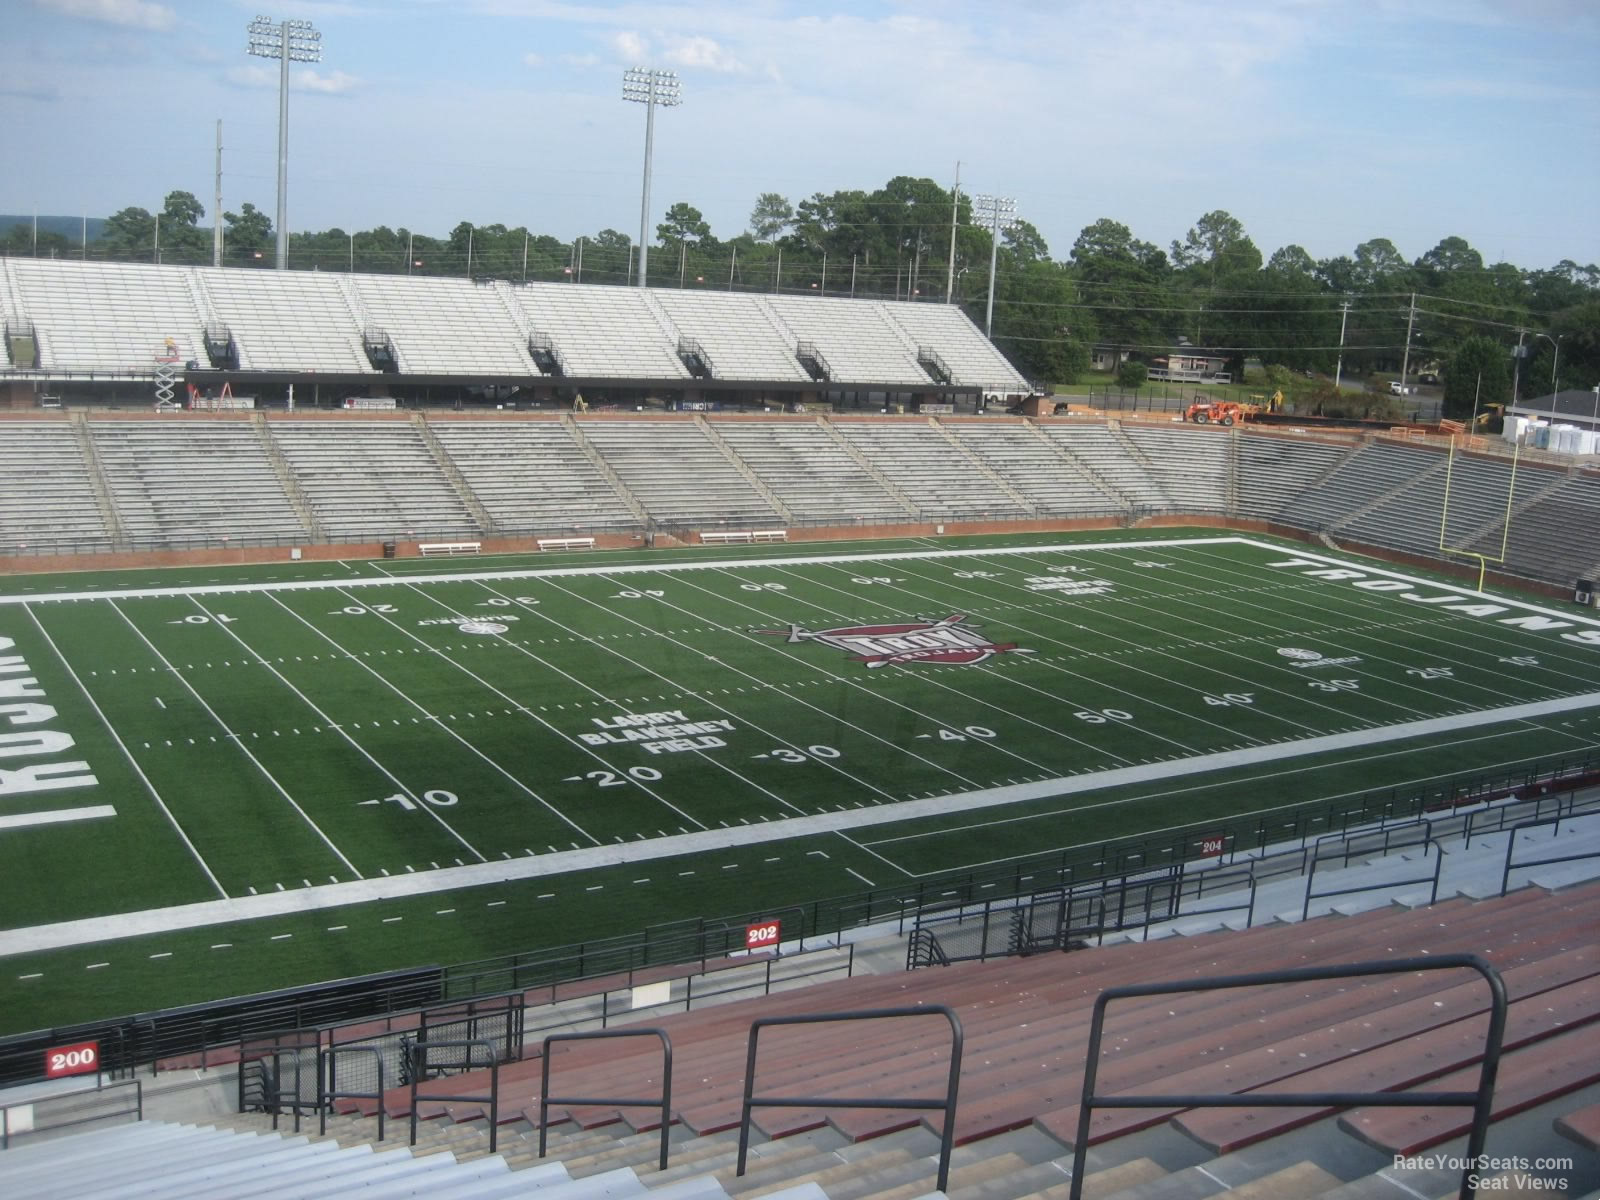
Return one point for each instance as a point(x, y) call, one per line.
point(213, 787)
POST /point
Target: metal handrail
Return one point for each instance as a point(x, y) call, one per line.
point(64, 1098)
point(1479, 1100)
point(1511, 846)
point(417, 1062)
point(326, 1093)
point(947, 1105)
point(546, 1099)
point(1427, 843)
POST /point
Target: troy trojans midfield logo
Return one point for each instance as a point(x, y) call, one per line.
point(942, 641)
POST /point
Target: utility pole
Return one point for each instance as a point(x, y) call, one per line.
point(1516, 366)
point(955, 211)
point(1338, 370)
point(216, 207)
point(1405, 360)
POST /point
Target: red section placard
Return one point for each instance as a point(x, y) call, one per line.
point(1211, 847)
point(81, 1058)
point(762, 933)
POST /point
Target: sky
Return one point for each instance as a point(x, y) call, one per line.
point(1322, 123)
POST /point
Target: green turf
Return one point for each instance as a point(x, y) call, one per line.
point(276, 738)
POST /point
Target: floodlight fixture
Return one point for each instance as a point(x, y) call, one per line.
point(286, 41)
point(999, 213)
point(650, 87)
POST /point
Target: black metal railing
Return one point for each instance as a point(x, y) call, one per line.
point(1480, 1100)
point(947, 1104)
point(1344, 855)
point(329, 1090)
point(663, 1101)
point(1554, 823)
point(422, 1063)
point(281, 1073)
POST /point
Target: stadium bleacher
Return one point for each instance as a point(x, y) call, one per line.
point(195, 483)
point(133, 484)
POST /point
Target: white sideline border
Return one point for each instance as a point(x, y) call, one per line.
point(206, 913)
point(723, 564)
point(334, 895)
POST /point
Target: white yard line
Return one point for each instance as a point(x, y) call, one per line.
point(518, 705)
point(812, 668)
point(128, 754)
point(707, 759)
point(234, 737)
point(314, 899)
point(329, 723)
point(428, 808)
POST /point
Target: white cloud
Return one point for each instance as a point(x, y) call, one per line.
point(251, 76)
point(305, 79)
point(132, 14)
point(581, 60)
point(335, 83)
point(704, 53)
point(533, 60)
point(630, 46)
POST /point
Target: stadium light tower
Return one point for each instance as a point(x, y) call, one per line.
point(999, 213)
point(286, 41)
point(649, 87)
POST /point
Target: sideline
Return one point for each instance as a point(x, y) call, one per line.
point(335, 895)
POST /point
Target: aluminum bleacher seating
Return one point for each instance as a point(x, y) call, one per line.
point(858, 340)
point(373, 480)
point(532, 476)
point(810, 472)
point(943, 483)
point(737, 332)
point(1274, 469)
point(287, 320)
point(1558, 535)
point(1357, 482)
point(1033, 466)
point(679, 476)
point(108, 318)
point(601, 331)
point(1190, 464)
point(971, 357)
point(47, 501)
point(444, 326)
point(189, 482)
point(1096, 447)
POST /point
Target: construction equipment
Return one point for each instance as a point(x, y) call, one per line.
point(1221, 412)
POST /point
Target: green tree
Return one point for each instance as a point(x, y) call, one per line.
point(682, 225)
point(19, 242)
point(247, 234)
point(1216, 247)
point(771, 216)
point(1478, 358)
point(130, 233)
point(1124, 285)
point(1132, 374)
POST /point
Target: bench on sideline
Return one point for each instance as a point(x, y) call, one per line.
point(725, 537)
point(572, 543)
point(451, 549)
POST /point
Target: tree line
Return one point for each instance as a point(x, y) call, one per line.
point(1369, 312)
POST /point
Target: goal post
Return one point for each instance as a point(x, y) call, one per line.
point(1483, 560)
